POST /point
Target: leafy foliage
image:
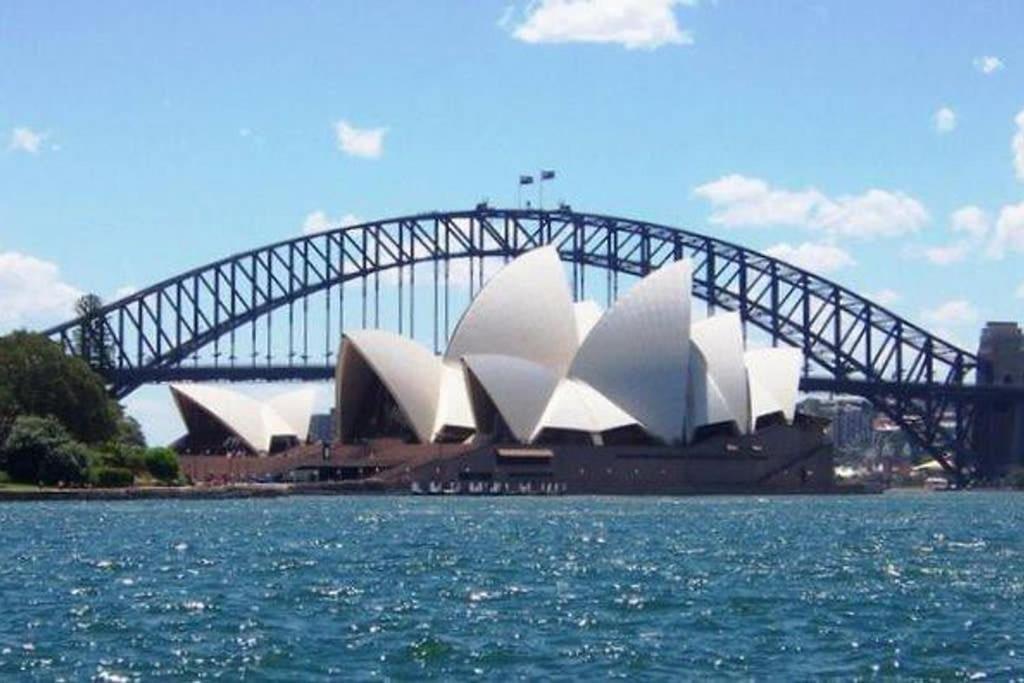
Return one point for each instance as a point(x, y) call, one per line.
point(162, 463)
point(112, 477)
point(37, 378)
point(39, 449)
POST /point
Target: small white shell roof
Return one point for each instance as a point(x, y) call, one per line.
point(587, 313)
point(525, 310)
point(577, 406)
point(707, 404)
point(254, 422)
point(638, 353)
point(775, 372)
point(519, 389)
point(719, 342)
point(454, 408)
point(409, 371)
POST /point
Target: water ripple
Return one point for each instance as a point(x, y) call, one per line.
point(915, 586)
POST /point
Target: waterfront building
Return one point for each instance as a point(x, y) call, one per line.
point(527, 365)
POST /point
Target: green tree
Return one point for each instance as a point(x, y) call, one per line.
point(129, 432)
point(39, 449)
point(39, 379)
point(93, 342)
point(162, 463)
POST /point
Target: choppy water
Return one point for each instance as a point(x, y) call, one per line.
point(360, 587)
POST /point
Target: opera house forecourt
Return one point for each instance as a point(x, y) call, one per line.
point(536, 393)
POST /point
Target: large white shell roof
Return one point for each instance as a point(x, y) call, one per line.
point(637, 354)
point(409, 371)
point(524, 311)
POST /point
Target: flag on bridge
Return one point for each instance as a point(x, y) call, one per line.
point(547, 175)
point(526, 180)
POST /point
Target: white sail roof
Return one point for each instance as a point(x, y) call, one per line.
point(707, 404)
point(295, 408)
point(519, 389)
point(453, 407)
point(776, 374)
point(637, 355)
point(524, 310)
point(253, 421)
point(587, 313)
point(577, 406)
point(719, 342)
point(410, 371)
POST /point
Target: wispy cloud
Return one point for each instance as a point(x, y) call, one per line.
point(366, 143)
point(633, 24)
point(988, 64)
point(26, 140)
point(818, 258)
point(740, 201)
point(944, 120)
point(319, 221)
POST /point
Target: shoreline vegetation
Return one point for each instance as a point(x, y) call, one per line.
point(60, 429)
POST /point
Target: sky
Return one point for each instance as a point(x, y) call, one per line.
point(880, 144)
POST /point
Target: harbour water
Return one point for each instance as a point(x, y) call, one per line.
point(898, 585)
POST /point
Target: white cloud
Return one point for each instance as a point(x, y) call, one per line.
point(646, 24)
point(1009, 232)
point(367, 143)
point(988, 64)
point(944, 120)
point(818, 258)
point(971, 221)
point(886, 297)
point(1017, 145)
point(948, 254)
point(32, 293)
point(742, 201)
point(124, 291)
point(1020, 291)
point(738, 200)
point(952, 312)
point(26, 140)
point(876, 213)
point(319, 221)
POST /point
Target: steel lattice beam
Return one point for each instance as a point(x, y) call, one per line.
point(847, 339)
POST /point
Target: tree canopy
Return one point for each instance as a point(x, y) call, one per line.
point(38, 378)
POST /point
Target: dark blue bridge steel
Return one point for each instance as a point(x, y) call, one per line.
point(278, 312)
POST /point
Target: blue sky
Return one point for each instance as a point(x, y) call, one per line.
point(873, 142)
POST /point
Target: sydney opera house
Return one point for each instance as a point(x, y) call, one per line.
point(538, 393)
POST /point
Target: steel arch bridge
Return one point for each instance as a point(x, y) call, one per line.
point(219, 321)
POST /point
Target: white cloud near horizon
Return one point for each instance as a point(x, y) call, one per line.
point(741, 201)
point(32, 293)
point(365, 143)
point(988, 64)
point(952, 312)
point(817, 258)
point(886, 297)
point(319, 221)
point(1008, 235)
point(25, 139)
point(633, 24)
point(944, 120)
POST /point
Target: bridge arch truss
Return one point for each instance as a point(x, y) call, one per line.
point(851, 344)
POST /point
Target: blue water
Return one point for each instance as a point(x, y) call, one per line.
point(914, 585)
